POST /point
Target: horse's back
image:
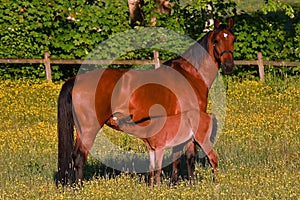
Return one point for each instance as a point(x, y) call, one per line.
point(136, 93)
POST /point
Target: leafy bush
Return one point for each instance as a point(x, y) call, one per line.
point(274, 34)
point(66, 29)
point(72, 29)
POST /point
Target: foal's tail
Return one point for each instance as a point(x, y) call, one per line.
point(65, 134)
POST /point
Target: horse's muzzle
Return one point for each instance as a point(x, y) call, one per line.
point(227, 67)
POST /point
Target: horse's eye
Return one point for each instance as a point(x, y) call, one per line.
point(216, 42)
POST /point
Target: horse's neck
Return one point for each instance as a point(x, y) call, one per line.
point(200, 56)
point(208, 70)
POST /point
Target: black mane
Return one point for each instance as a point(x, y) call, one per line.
point(200, 49)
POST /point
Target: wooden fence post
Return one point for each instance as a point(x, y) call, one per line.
point(47, 66)
point(156, 59)
point(261, 67)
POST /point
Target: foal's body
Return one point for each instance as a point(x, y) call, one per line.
point(118, 98)
point(171, 131)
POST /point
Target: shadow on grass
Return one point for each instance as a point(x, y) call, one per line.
point(94, 169)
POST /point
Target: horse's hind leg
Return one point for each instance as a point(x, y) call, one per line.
point(79, 157)
point(177, 152)
point(190, 157)
point(84, 142)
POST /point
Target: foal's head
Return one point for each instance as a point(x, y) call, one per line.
point(223, 41)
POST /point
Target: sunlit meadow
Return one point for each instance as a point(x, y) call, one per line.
point(258, 149)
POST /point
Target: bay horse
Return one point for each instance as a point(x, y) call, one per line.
point(145, 104)
point(227, 64)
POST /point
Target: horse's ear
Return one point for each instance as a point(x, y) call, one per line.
point(230, 23)
point(216, 23)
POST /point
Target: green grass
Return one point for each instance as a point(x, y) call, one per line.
point(258, 148)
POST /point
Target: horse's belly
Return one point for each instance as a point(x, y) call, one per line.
point(145, 94)
point(181, 138)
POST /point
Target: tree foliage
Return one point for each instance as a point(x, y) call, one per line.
point(72, 29)
point(68, 29)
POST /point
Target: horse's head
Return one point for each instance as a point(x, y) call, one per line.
point(223, 41)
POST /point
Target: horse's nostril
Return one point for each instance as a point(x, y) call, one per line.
point(229, 63)
point(228, 67)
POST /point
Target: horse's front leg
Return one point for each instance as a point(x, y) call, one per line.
point(206, 127)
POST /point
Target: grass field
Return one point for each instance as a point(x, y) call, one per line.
point(259, 148)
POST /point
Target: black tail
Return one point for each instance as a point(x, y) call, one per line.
point(66, 171)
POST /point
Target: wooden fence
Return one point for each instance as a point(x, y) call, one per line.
point(47, 62)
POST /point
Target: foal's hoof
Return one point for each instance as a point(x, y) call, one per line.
point(218, 187)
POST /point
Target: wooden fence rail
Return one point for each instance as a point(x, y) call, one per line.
point(47, 62)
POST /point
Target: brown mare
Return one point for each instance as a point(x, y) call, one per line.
point(216, 52)
point(164, 107)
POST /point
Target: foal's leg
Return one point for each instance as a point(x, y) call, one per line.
point(213, 161)
point(212, 156)
point(158, 165)
point(151, 167)
point(156, 157)
point(202, 137)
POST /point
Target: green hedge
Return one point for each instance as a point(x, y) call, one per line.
point(71, 29)
point(67, 29)
point(274, 34)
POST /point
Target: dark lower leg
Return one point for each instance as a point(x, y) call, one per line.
point(190, 157)
point(79, 157)
point(175, 166)
point(151, 179)
point(157, 176)
point(213, 161)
